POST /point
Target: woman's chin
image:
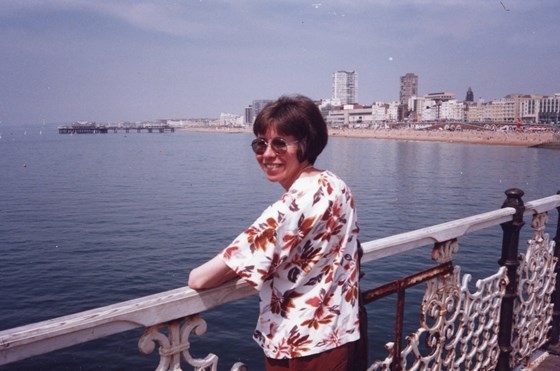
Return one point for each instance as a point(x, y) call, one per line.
point(273, 178)
point(274, 175)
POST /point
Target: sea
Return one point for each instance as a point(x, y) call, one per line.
point(89, 220)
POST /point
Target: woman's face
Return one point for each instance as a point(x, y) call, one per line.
point(282, 168)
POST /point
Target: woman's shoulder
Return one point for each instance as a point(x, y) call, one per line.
point(316, 177)
point(331, 175)
point(323, 182)
point(333, 180)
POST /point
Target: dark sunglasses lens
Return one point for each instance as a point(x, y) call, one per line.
point(259, 146)
point(279, 145)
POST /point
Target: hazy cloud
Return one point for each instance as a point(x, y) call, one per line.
point(123, 59)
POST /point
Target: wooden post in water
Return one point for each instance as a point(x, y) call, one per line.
point(554, 333)
point(510, 247)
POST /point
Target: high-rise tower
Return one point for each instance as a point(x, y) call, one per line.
point(345, 87)
point(409, 87)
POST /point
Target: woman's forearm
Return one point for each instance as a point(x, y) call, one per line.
point(210, 274)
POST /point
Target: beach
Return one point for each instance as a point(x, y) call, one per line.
point(465, 136)
point(505, 138)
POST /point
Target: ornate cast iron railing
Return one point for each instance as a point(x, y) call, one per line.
point(509, 316)
point(503, 322)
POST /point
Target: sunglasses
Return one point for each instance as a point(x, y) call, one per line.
point(278, 145)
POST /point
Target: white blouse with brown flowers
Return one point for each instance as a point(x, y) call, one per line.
point(301, 255)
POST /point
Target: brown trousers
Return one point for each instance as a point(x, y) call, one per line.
point(348, 357)
point(342, 358)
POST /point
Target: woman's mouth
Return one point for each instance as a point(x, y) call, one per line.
point(272, 166)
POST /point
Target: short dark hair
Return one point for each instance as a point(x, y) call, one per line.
point(297, 116)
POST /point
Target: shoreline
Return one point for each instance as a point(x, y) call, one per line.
point(503, 138)
point(466, 136)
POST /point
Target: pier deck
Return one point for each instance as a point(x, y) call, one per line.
point(104, 129)
point(552, 361)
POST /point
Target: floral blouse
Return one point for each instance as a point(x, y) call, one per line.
point(301, 255)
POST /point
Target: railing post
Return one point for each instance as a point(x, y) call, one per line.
point(510, 247)
point(554, 333)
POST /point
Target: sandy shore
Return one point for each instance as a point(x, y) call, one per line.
point(465, 136)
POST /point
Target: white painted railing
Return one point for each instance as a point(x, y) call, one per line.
point(178, 310)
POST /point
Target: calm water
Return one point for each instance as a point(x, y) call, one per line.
point(91, 220)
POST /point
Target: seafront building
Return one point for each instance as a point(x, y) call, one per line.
point(248, 115)
point(231, 120)
point(344, 110)
point(408, 90)
point(527, 109)
point(253, 110)
point(345, 87)
point(444, 107)
point(409, 87)
point(354, 115)
point(548, 108)
point(436, 107)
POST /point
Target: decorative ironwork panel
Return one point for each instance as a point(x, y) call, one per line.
point(443, 251)
point(176, 344)
point(536, 278)
point(458, 329)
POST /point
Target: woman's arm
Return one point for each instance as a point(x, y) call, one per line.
point(210, 274)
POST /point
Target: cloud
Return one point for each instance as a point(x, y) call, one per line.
point(165, 17)
point(118, 57)
point(200, 19)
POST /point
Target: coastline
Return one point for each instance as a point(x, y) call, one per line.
point(502, 138)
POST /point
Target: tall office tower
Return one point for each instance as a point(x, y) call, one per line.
point(345, 87)
point(409, 87)
point(249, 115)
point(258, 105)
point(470, 95)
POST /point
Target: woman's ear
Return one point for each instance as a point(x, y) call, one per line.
point(302, 151)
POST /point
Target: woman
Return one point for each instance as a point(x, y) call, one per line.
point(301, 254)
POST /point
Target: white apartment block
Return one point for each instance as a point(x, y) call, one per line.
point(350, 116)
point(383, 112)
point(525, 108)
point(345, 87)
point(474, 112)
point(529, 108)
point(230, 119)
point(428, 109)
point(548, 109)
point(357, 116)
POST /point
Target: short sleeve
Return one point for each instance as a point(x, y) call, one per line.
point(258, 251)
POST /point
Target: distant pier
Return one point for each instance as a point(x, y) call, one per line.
point(104, 129)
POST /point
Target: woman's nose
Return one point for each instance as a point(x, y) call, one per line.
point(269, 152)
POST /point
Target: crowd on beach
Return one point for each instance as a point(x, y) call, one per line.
point(464, 136)
point(513, 138)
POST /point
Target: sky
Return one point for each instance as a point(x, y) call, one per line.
point(133, 60)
